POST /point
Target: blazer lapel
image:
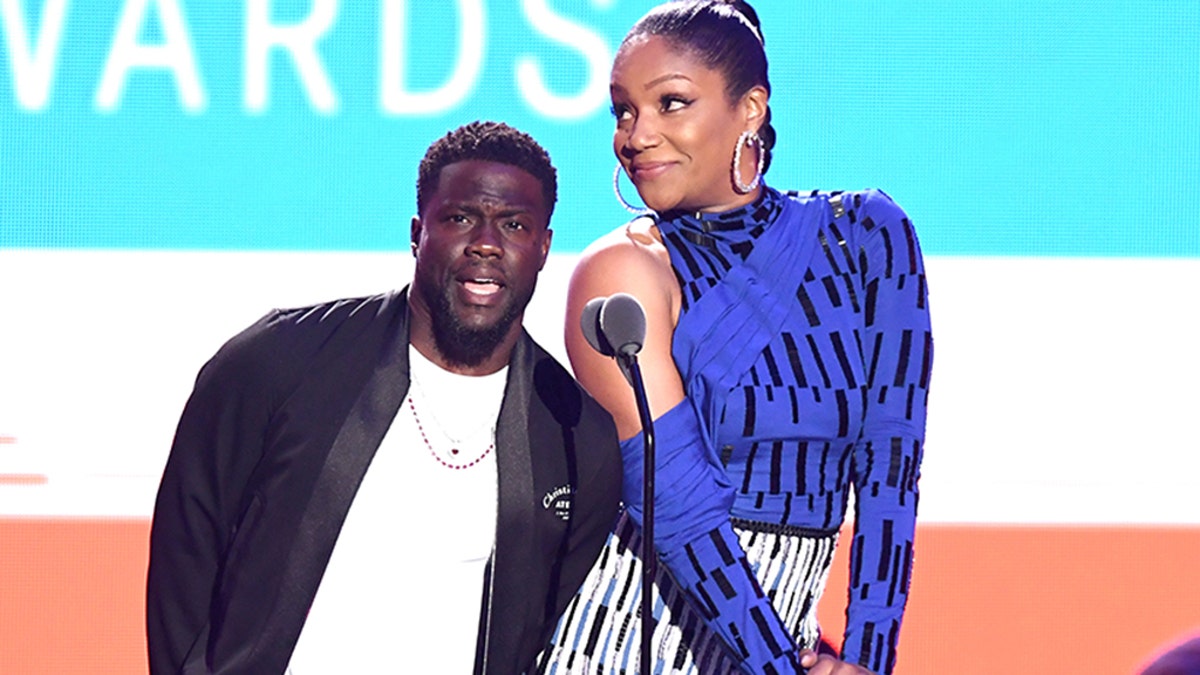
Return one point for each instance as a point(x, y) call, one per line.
point(339, 478)
point(515, 560)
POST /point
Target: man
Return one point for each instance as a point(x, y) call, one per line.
point(405, 480)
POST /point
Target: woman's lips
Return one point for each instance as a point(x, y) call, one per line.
point(648, 170)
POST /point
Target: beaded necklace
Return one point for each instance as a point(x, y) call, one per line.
point(453, 450)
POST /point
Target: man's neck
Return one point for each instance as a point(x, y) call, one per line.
point(422, 339)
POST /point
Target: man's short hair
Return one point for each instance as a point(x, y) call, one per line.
point(491, 142)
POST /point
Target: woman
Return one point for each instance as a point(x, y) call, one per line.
point(786, 358)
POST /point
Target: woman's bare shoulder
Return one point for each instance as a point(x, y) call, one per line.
point(634, 249)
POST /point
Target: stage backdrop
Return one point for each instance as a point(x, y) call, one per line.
point(171, 170)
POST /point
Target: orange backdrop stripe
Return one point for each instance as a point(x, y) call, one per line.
point(985, 599)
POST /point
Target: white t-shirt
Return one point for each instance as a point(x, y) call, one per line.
point(404, 585)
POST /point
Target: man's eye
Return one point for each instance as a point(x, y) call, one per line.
point(515, 225)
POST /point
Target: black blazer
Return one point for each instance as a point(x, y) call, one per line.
point(271, 447)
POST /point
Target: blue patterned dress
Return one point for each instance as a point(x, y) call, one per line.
point(805, 349)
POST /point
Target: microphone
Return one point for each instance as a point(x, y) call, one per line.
point(622, 331)
point(616, 326)
point(589, 322)
point(623, 322)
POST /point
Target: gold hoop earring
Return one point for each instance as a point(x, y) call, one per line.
point(747, 139)
point(620, 198)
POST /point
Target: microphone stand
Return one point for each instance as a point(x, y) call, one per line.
point(649, 559)
point(616, 326)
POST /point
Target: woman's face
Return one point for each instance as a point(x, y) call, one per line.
point(676, 128)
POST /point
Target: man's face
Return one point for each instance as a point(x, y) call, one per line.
point(481, 241)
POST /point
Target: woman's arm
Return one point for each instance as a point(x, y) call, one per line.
point(693, 535)
point(898, 348)
point(629, 260)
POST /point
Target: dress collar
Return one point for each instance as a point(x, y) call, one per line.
point(735, 229)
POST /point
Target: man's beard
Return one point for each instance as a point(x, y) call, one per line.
point(460, 344)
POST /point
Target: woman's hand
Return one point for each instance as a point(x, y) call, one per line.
point(824, 664)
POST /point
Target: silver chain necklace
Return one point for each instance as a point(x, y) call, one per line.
point(454, 450)
point(454, 440)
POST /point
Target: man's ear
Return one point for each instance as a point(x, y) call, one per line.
point(546, 248)
point(415, 234)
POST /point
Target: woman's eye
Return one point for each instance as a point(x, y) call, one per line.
point(670, 103)
point(619, 111)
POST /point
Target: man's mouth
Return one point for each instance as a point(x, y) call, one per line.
point(482, 285)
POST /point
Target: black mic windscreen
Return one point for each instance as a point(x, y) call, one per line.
point(623, 322)
point(589, 323)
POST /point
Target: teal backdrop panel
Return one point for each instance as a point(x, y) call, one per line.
point(1004, 128)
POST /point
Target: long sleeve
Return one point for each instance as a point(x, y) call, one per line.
point(248, 456)
point(200, 493)
point(696, 542)
point(897, 344)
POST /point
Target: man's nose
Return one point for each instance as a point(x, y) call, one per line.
point(486, 241)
